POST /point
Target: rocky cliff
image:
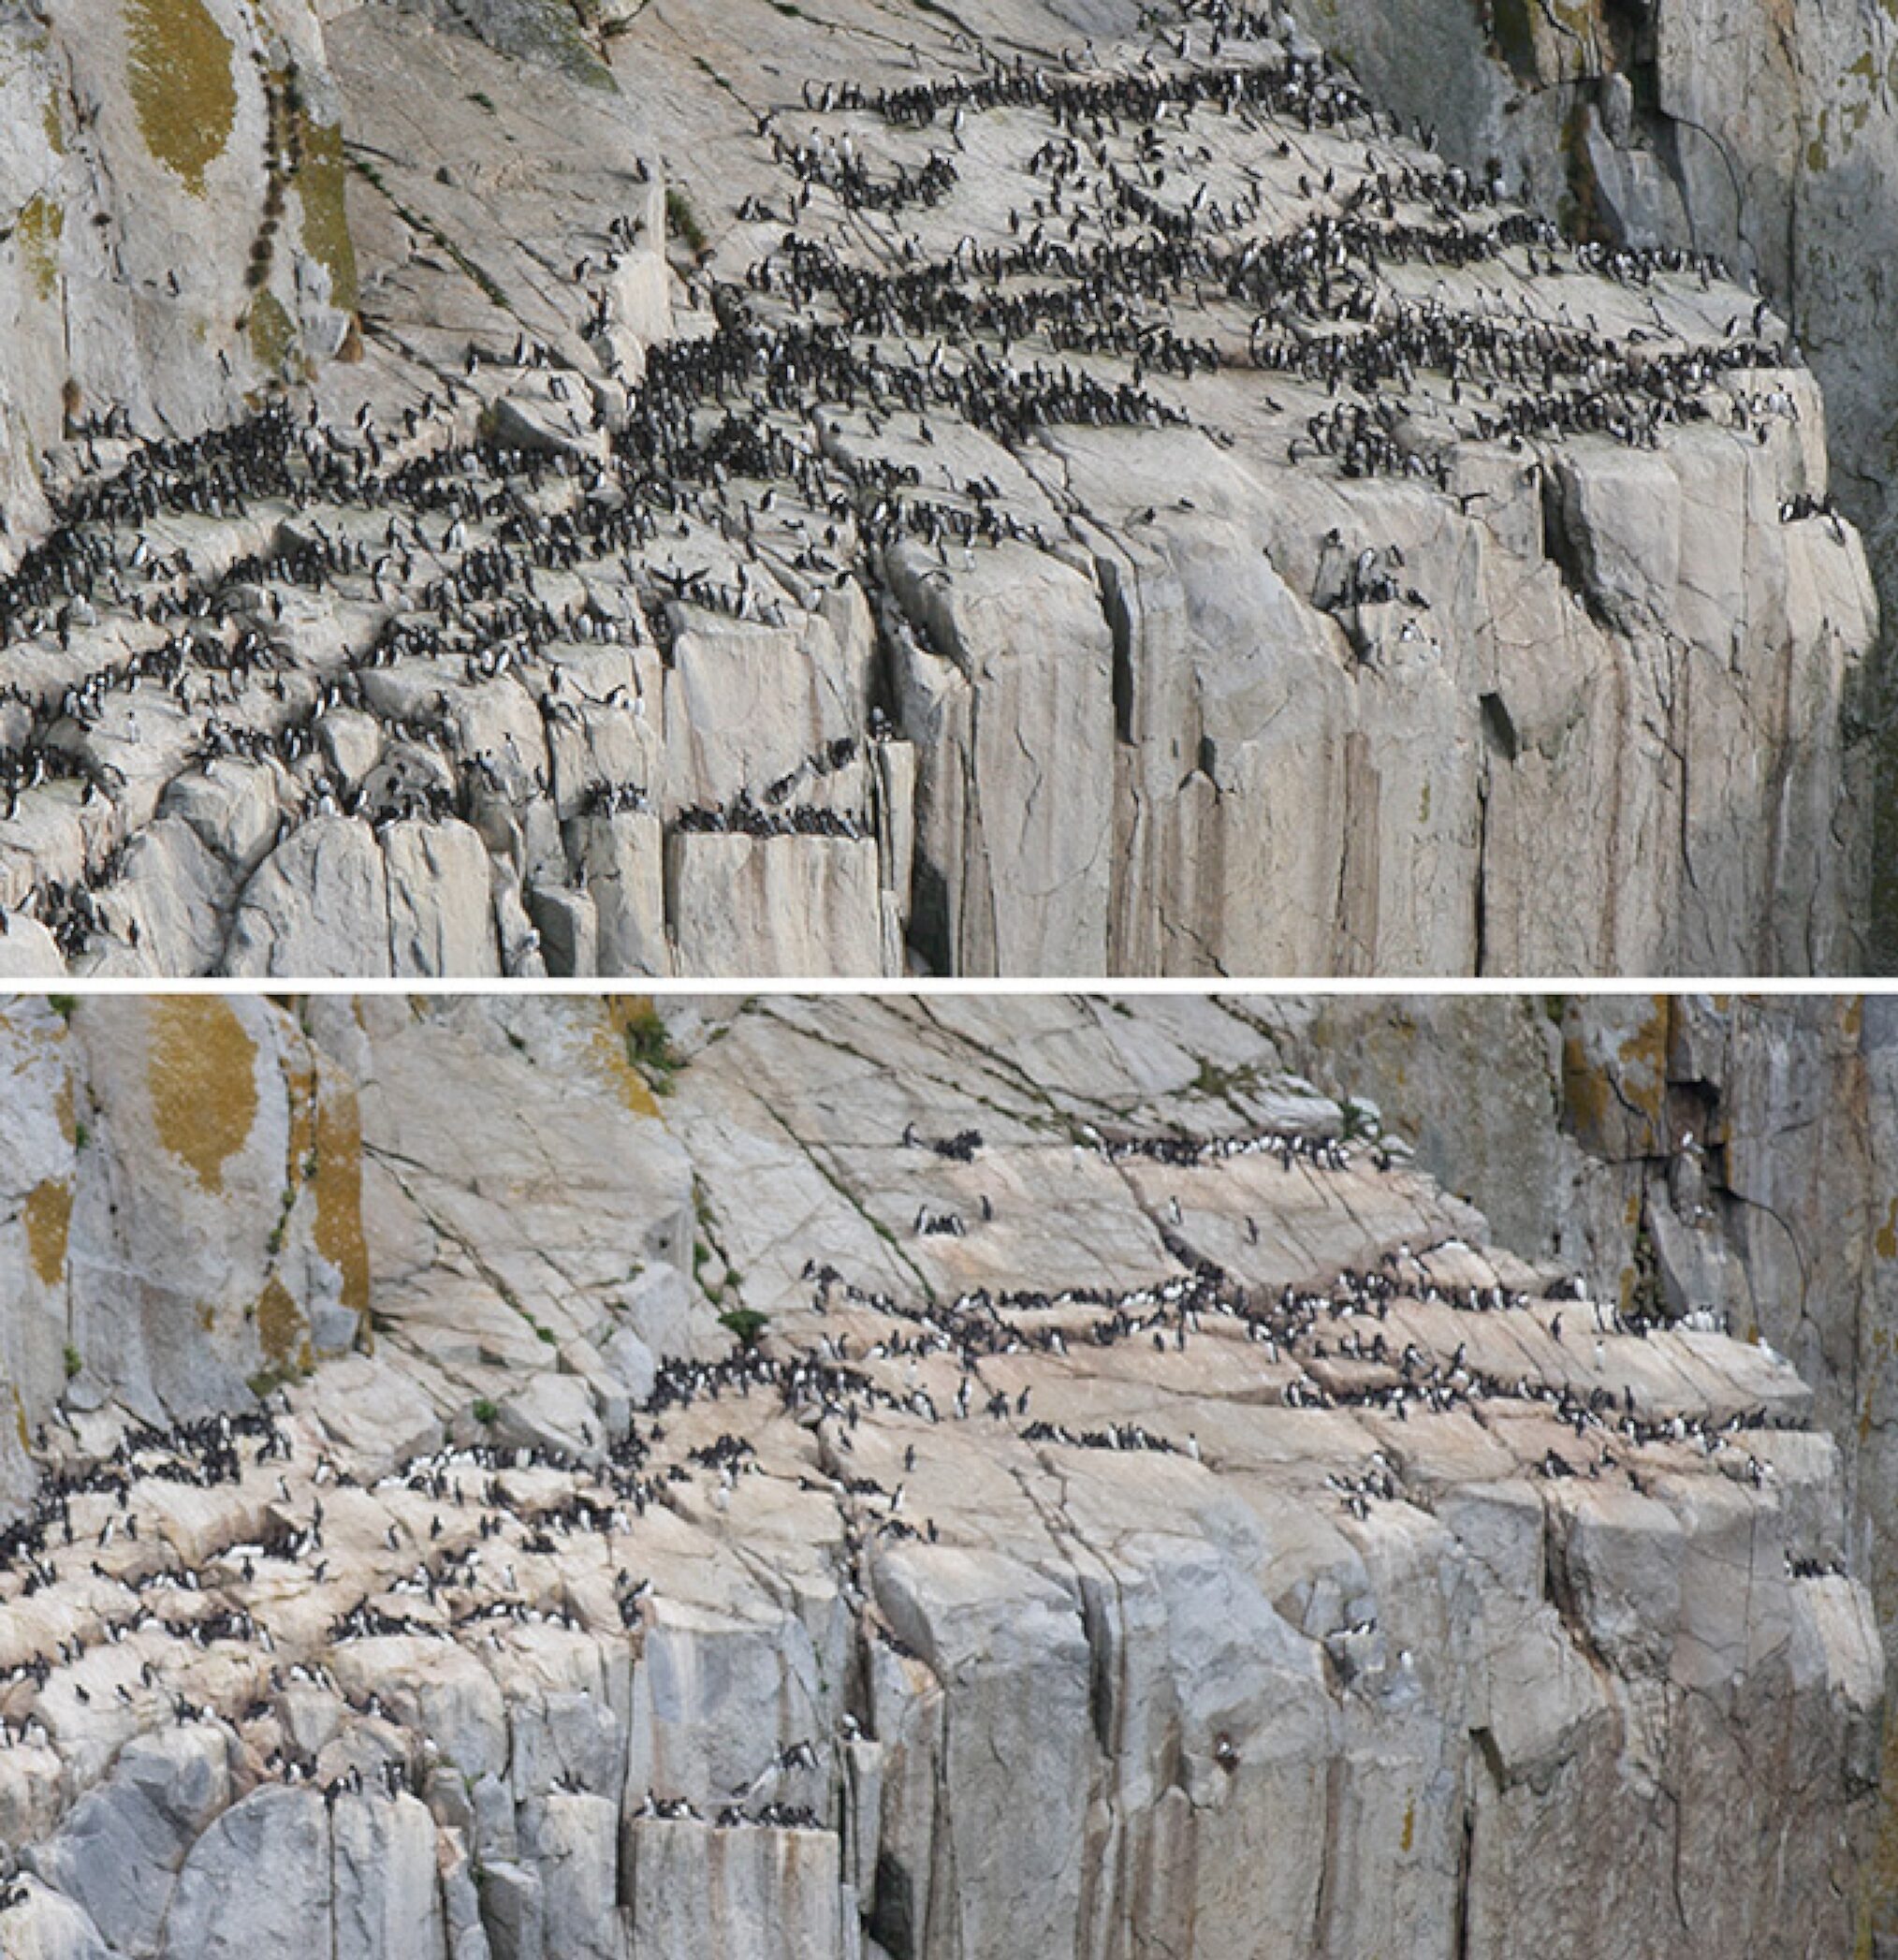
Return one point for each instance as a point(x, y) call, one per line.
point(940, 1478)
point(668, 491)
point(1764, 133)
point(1727, 1156)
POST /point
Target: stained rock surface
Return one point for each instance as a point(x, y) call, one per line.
point(1763, 133)
point(936, 1478)
point(812, 492)
point(1723, 1155)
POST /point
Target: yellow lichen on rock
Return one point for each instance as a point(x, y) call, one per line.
point(623, 1013)
point(339, 1195)
point(183, 84)
point(1645, 1084)
point(322, 187)
point(48, 1218)
point(202, 1072)
point(42, 226)
point(282, 1330)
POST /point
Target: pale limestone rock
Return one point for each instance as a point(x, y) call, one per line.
point(29, 952)
point(318, 904)
point(553, 1411)
point(443, 1691)
point(577, 1846)
point(546, 418)
point(167, 915)
point(746, 705)
point(772, 1893)
point(1016, 793)
point(258, 1882)
point(512, 1909)
point(961, 1679)
point(790, 905)
point(440, 908)
point(375, 1411)
point(1143, 723)
point(623, 859)
point(233, 807)
point(353, 741)
point(118, 1851)
point(46, 1925)
point(568, 923)
point(190, 1110)
point(126, 283)
point(387, 1899)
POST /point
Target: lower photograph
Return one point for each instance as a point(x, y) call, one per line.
point(935, 1477)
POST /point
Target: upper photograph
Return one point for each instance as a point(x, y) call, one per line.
point(726, 488)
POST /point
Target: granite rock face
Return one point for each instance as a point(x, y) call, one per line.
point(975, 1477)
point(807, 502)
point(1761, 133)
point(1727, 1158)
point(172, 176)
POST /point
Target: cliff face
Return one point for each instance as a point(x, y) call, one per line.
point(1732, 1156)
point(173, 202)
point(814, 503)
point(1763, 133)
point(1124, 1507)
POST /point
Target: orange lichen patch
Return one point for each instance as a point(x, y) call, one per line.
point(622, 1012)
point(48, 1218)
point(339, 1195)
point(1591, 1092)
point(1409, 1827)
point(19, 1423)
point(184, 85)
point(282, 1330)
point(1585, 1093)
point(202, 1071)
point(1644, 1085)
point(63, 1111)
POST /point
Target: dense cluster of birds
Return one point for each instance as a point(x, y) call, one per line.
point(791, 446)
point(1318, 1148)
point(476, 1537)
point(748, 819)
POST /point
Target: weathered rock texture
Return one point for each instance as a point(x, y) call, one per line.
point(1731, 1156)
point(1761, 132)
point(173, 199)
point(814, 500)
point(1147, 1513)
